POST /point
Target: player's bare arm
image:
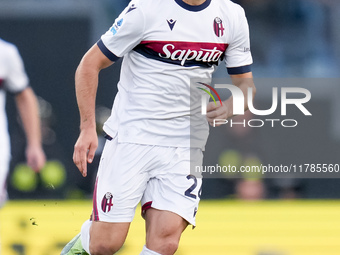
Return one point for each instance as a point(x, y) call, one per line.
point(86, 83)
point(243, 81)
point(28, 109)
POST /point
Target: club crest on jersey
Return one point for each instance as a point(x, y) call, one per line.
point(218, 27)
point(115, 27)
point(107, 202)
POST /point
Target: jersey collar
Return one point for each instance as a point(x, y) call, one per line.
point(193, 8)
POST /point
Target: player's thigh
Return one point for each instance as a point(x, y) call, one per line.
point(163, 230)
point(170, 202)
point(175, 188)
point(106, 237)
point(121, 182)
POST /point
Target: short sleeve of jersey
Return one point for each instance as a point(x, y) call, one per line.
point(16, 79)
point(125, 33)
point(238, 57)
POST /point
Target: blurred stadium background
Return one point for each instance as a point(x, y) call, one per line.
point(290, 39)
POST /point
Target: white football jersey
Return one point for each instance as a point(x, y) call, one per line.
point(166, 44)
point(13, 79)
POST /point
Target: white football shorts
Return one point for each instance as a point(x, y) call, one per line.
point(157, 176)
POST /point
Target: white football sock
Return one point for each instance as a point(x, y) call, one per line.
point(146, 251)
point(85, 235)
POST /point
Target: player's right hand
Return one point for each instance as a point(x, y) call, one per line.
point(216, 111)
point(84, 149)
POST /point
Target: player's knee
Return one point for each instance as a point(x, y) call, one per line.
point(102, 248)
point(164, 246)
point(170, 246)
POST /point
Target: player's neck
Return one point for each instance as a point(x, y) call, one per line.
point(194, 2)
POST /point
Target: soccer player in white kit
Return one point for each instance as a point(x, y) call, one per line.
point(147, 157)
point(13, 79)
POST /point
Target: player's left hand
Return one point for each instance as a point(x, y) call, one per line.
point(35, 157)
point(217, 111)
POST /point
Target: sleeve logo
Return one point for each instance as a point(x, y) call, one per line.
point(115, 27)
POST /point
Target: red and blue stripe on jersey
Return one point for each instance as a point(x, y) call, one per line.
point(181, 53)
point(186, 54)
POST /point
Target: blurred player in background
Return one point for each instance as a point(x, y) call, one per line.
point(150, 142)
point(13, 79)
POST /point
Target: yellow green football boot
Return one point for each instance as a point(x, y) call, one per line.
point(74, 247)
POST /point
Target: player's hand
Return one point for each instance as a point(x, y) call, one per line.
point(84, 149)
point(216, 112)
point(35, 157)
